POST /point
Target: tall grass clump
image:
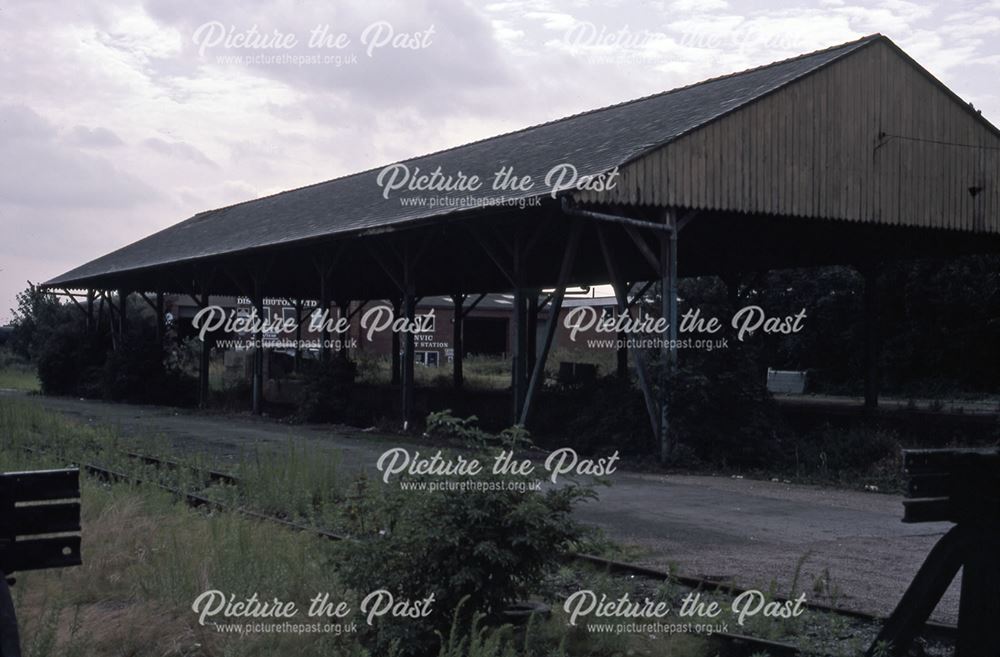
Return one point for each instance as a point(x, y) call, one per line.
point(294, 482)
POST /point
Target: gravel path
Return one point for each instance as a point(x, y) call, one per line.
point(850, 544)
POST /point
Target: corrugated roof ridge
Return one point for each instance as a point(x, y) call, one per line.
point(856, 42)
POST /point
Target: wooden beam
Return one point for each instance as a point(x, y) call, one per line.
point(396, 280)
point(323, 305)
point(409, 308)
point(75, 302)
point(643, 247)
point(508, 249)
point(149, 302)
point(100, 310)
point(343, 310)
point(538, 371)
point(531, 341)
point(519, 360)
point(357, 309)
point(641, 364)
point(122, 316)
point(639, 295)
point(668, 350)
point(396, 375)
point(297, 354)
point(458, 303)
point(257, 299)
point(518, 369)
point(90, 309)
point(685, 220)
point(507, 272)
point(536, 237)
point(472, 306)
point(204, 360)
point(927, 588)
point(572, 211)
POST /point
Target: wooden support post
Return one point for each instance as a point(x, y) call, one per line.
point(519, 347)
point(531, 337)
point(731, 279)
point(10, 638)
point(668, 349)
point(871, 336)
point(458, 301)
point(204, 360)
point(100, 311)
point(538, 370)
point(396, 346)
point(122, 316)
point(112, 321)
point(641, 365)
point(160, 320)
point(72, 297)
point(157, 307)
point(923, 594)
point(518, 355)
point(979, 607)
point(343, 310)
point(258, 355)
point(90, 310)
point(324, 312)
point(410, 308)
point(297, 363)
point(621, 356)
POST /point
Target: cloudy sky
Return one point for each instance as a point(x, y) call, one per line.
point(121, 117)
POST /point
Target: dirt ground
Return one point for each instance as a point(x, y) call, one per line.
point(851, 545)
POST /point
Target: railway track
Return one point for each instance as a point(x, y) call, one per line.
point(735, 645)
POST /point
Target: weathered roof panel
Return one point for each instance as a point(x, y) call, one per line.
point(594, 142)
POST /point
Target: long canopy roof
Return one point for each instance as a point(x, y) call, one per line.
point(594, 142)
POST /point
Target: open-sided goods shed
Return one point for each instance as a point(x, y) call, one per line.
point(854, 155)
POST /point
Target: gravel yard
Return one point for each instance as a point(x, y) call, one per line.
point(848, 547)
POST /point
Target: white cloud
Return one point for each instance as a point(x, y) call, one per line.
point(179, 150)
point(96, 137)
point(46, 171)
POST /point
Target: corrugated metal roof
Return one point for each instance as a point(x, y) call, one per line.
point(594, 142)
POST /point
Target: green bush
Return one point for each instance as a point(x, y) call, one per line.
point(72, 360)
point(867, 453)
point(722, 412)
point(600, 416)
point(63, 355)
point(326, 393)
point(489, 548)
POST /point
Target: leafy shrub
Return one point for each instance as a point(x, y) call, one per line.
point(868, 453)
point(327, 389)
point(488, 547)
point(445, 425)
point(63, 355)
point(598, 416)
point(72, 360)
point(722, 412)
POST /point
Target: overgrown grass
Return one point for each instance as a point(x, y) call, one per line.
point(292, 482)
point(147, 557)
point(481, 372)
point(16, 379)
point(16, 373)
